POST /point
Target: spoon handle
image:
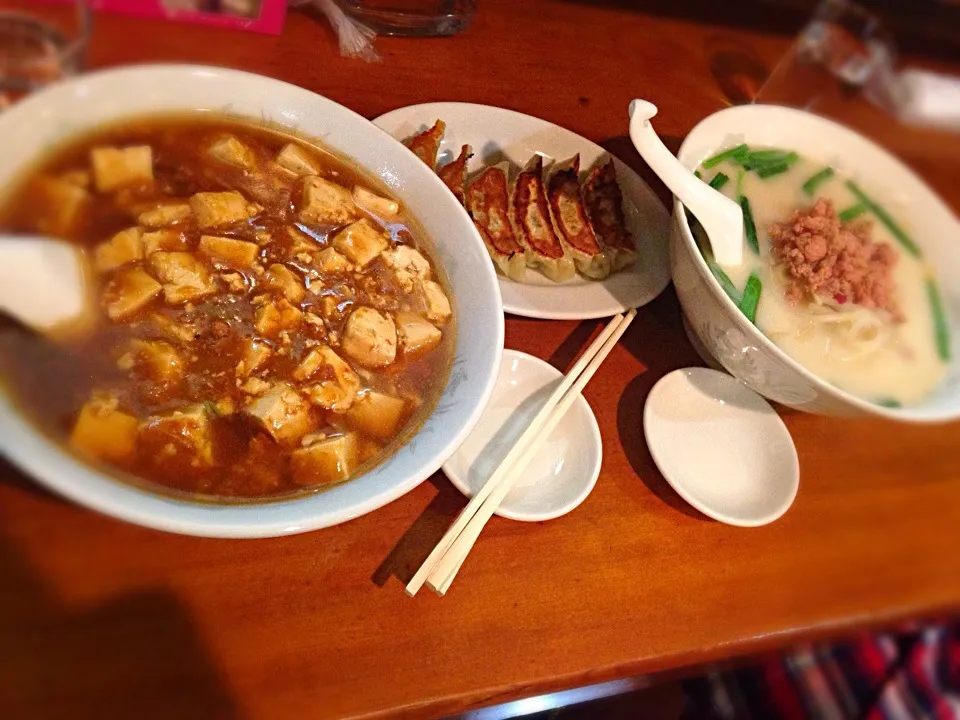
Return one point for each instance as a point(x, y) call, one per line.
point(720, 216)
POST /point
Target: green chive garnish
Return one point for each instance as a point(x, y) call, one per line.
point(697, 175)
point(718, 181)
point(852, 213)
point(766, 155)
point(748, 225)
point(725, 282)
point(771, 170)
point(884, 218)
point(751, 298)
point(811, 185)
point(889, 403)
point(725, 155)
point(940, 326)
point(763, 159)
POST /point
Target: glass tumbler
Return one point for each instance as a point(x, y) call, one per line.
point(35, 52)
point(411, 18)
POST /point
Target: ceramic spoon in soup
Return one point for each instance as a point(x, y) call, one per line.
point(44, 283)
point(720, 217)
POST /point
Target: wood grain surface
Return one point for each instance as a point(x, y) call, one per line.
point(103, 619)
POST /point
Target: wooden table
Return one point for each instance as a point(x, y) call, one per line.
point(103, 619)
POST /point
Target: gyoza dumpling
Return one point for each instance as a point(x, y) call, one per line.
point(573, 226)
point(488, 202)
point(454, 174)
point(426, 144)
point(531, 216)
point(601, 195)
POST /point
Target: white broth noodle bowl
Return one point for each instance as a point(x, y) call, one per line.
point(864, 350)
point(846, 302)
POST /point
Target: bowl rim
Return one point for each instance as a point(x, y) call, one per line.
point(56, 468)
point(904, 414)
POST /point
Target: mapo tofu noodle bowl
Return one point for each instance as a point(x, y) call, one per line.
point(838, 273)
point(270, 319)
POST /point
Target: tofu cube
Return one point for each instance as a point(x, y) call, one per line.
point(375, 204)
point(80, 178)
point(327, 461)
point(177, 332)
point(416, 335)
point(154, 359)
point(164, 215)
point(283, 280)
point(377, 414)
point(103, 432)
point(360, 242)
point(163, 240)
point(185, 278)
point(129, 291)
point(408, 265)
point(370, 338)
point(255, 354)
point(62, 207)
point(282, 412)
point(325, 203)
point(255, 386)
point(214, 209)
point(114, 168)
point(330, 261)
point(233, 152)
point(338, 385)
point(227, 251)
point(438, 306)
point(123, 248)
point(185, 434)
point(271, 319)
point(297, 160)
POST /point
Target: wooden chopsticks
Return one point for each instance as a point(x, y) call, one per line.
point(443, 563)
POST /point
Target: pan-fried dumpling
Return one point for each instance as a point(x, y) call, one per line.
point(454, 173)
point(488, 202)
point(571, 222)
point(531, 215)
point(426, 144)
point(601, 194)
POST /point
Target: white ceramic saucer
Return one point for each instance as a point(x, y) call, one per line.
point(564, 471)
point(721, 446)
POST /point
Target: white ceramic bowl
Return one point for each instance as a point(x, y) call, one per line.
point(723, 331)
point(64, 110)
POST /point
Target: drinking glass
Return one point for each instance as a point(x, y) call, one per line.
point(842, 52)
point(35, 52)
point(414, 18)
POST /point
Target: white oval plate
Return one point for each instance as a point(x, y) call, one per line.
point(497, 134)
point(721, 446)
point(565, 470)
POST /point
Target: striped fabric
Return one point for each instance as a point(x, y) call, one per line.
point(880, 677)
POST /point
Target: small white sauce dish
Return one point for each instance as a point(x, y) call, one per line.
point(565, 469)
point(721, 447)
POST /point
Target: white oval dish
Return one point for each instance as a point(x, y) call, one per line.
point(497, 134)
point(39, 122)
point(565, 470)
point(721, 447)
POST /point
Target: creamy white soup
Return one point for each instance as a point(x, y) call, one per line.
point(831, 276)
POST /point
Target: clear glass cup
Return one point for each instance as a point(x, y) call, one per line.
point(35, 52)
point(842, 52)
point(411, 18)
